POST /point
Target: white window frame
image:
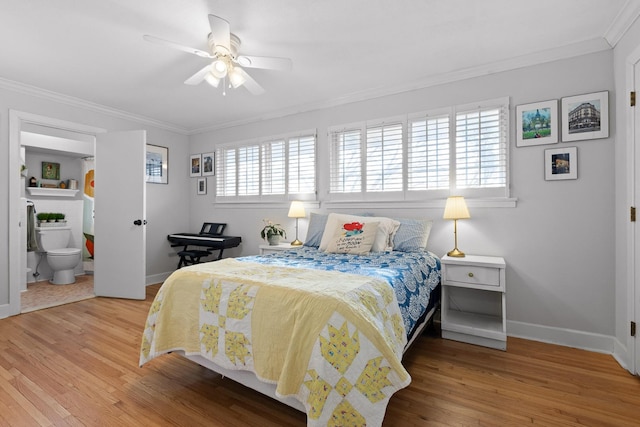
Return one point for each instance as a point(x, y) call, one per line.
point(428, 194)
point(232, 195)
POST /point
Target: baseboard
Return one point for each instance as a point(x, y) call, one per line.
point(566, 337)
point(622, 355)
point(157, 278)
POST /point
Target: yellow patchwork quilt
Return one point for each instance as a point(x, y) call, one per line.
point(332, 340)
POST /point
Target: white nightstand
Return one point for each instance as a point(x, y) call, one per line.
point(474, 300)
point(268, 249)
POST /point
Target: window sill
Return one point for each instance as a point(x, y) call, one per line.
point(497, 202)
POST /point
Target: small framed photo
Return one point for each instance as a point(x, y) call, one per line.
point(202, 186)
point(585, 116)
point(561, 163)
point(537, 124)
point(195, 165)
point(50, 170)
point(157, 164)
point(208, 164)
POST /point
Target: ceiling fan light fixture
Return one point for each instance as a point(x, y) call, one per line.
point(212, 80)
point(236, 78)
point(219, 68)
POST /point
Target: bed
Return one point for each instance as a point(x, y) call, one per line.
point(320, 328)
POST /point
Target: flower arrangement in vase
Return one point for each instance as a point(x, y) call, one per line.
point(272, 232)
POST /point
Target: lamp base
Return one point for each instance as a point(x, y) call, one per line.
point(296, 243)
point(456, 253)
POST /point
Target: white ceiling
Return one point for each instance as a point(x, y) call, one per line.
point(342, 50)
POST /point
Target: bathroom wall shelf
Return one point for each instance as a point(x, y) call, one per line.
point(51, 192)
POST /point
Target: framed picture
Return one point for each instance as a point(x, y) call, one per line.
point(208, 164)
point(195, 165)
point(50, 170)
point(157, 164)
point(561, 163)
point(537, 123)
point(202, 186)
point(585, 116)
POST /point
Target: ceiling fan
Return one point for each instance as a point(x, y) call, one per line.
point(226, 64)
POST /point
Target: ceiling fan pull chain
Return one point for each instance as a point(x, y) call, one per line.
point(224, 86)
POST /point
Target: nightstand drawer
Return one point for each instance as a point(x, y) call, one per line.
point(473, 275)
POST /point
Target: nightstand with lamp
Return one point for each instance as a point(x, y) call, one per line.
point(473, 291)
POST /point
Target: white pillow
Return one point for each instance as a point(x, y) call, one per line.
point(354, 238)
point(387, 228)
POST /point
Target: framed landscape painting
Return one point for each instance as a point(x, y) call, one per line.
point(537, 124)
point(585, 116)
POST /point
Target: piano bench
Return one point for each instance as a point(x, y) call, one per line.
point(191, 257)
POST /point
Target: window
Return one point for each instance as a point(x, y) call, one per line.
point(458, 150)
point(273, 169)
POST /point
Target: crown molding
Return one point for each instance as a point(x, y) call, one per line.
point(87, 105)
point(550, 55)
point(622, 22)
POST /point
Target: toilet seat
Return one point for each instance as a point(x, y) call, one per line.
point(63, 252)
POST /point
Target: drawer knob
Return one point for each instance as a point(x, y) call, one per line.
point(470, 274)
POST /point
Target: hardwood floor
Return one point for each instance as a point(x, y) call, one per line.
point(77, 364)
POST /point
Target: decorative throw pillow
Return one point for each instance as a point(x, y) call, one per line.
point(353, 238)
point(317, 222)
point(412, 235)
point(387, 228)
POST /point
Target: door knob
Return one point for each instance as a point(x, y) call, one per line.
point(140, 222)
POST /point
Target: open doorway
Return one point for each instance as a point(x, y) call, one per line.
point(36, 141)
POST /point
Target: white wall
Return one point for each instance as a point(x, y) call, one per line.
point(559, 240)
point(167, 205)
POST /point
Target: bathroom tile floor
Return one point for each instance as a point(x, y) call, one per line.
point(41, 295)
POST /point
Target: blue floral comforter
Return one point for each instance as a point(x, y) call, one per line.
point(413, 275)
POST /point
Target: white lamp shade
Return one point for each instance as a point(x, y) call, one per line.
point(456, 208)
point(236, 78)
point(219, 68)
point(296, 210)
point(212, 80)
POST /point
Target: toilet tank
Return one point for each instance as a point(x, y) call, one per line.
point(50, 238)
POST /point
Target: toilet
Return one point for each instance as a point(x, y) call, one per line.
point(61, 259)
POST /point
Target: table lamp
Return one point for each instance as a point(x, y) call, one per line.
point(456, 209)
point(296, 210)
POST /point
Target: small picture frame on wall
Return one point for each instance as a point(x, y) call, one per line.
point(50, 170)
point(208, 164)
point(157, 164)
point(537, 123)
point(202, 186)
point(585, 117)
point(561, 163)
point(195, 165)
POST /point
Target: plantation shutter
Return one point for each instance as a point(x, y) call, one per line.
point(249, 170)
point(428, 154)
point(481, 147)
point(273, 168)
point(345, 161)
point(226, 172)
point(302, 165)
point(384, 158)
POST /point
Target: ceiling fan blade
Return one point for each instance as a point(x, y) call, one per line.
point(266, 62)
point(220, 32)
point(251, 85)
point(198, 77)
point(173, 45)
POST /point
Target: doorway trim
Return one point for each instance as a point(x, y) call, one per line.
point(16, 120)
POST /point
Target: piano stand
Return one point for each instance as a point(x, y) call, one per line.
point(190, 257)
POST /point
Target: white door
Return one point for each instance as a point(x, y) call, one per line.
point(635, 305)
point(119, 224)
